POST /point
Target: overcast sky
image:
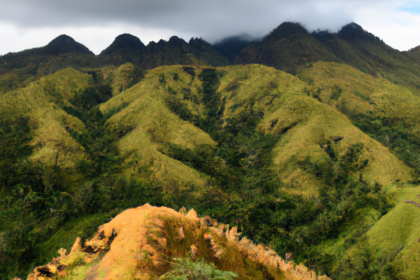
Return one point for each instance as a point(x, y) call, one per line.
point(95, 23)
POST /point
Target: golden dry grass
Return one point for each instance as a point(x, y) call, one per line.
point(136, 245)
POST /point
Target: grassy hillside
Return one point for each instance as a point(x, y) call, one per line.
point(252, 146)
point(140, 114)
point(43, 102)
point(386, 247)
point(305, 126)
point(383, 110)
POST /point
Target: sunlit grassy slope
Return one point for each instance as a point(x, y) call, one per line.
point(288, 104)
point(387, 244)
point(41, 101)
point(168, 105)
point(143, 116)
point(385, 111)
point(396, 235)
point(356, 93)
point(120, 78)
point(305, 124)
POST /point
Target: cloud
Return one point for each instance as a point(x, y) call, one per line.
point(397, 28)
point(215, 16)
point(95, 23)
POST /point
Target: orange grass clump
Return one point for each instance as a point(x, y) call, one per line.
point(134, 245)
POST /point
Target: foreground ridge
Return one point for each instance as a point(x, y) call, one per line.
point(138, 243)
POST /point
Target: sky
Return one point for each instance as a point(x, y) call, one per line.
point(27, 24)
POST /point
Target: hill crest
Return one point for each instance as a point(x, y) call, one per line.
point(142, 238)
point(124, 43)
point(63, 44)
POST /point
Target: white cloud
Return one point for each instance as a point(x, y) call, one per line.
point(397, 28)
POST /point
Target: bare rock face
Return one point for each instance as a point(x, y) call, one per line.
point(137, 243)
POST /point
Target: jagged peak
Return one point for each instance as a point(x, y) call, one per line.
point(124, 42)
point(199, 43)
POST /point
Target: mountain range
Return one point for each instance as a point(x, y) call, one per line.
point(306, 142)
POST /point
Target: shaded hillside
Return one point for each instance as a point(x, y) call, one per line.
point(128, 48)
point(289, 47)
point(61, 45)
point(125, 48)
point(230, 47)
point(414, 54)
point(19, 69)
point(368, 53)
point(143, 239)
point(286, 48)
point(178, 52)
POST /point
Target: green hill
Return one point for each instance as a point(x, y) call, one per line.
point(385, 111)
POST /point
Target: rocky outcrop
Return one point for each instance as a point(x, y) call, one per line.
point(137, 243)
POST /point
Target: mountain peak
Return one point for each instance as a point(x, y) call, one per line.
point(353, 31)
point(62, 39)
point(64, 44)
point(124, 42)
point(287, 29)
point(177, 42)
